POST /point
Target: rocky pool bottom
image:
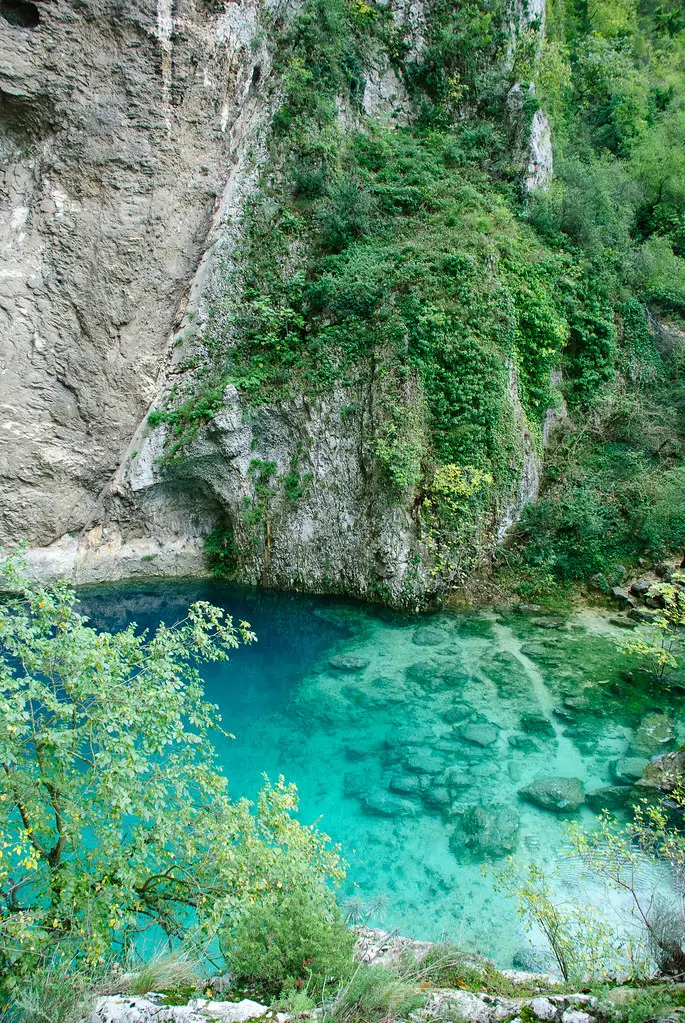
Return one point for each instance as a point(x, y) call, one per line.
point(429, 747)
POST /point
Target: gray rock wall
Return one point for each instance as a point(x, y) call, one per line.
point(119, 123)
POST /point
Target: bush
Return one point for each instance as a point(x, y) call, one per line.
point(374, 994)
point(57, 993)
point(221, 552)
point(295, 943)
point(349, 212)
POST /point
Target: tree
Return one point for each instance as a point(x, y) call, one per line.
point(659, 642)
point(115, 818)
point(618, 855)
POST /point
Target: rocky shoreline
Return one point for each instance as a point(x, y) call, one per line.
point(542, 997)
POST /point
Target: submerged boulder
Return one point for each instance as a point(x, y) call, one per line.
point(538, 725)
point(437, 797)
point(478, 733)
point(423, 762)
point(627, 770)
point(429, 635)
point(456, 779)
point(612, 797)
point(526, 743)
point(348, 662)
point(485, 831)
point(381, 803)
point(457, 713)
point(405, 784)
point(355, 783)
point(653, 733)
point(560, 795)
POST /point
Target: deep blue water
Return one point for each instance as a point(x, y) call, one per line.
point(368, 712)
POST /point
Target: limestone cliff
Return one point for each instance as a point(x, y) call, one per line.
point(131, 135)
point(120, 123)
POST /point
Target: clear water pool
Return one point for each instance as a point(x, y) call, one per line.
point(411, 737)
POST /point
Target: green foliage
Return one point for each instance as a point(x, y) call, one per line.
point(583, 944)
point(187, 418)
point(115, 818)
point(660, 643)
point(58, 992)
point(618, 855)
point(295, 942)
point(163, 971)
point(655, 1001)
point(222, 555)
point(405, 256)
point(614, 487)
point(374, 994)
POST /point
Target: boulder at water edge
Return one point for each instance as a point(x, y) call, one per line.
point(612, 797)
point(655, 732)
point(627, 770)
point(665, 773)
point(560, 795)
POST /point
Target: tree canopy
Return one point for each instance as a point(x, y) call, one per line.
point(115, 818)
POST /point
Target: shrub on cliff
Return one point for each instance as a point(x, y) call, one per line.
point(114, 818)
point(295, 943)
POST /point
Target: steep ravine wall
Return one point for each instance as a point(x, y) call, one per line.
point(132, 135)
point(120, 124)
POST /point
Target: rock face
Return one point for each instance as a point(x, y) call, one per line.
point(118, 132)
point(131, 135)
point(132, 1009)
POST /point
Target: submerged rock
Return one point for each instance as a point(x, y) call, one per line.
point(356, 783)
point(456, 779)
point(361, 750)
point(457, 713)
point(478, 733)
point(526, 743)
point(423, 762)
point(528, 959)
point(429, 635)
point(407, 736)
point(627, 770)
point(560, 795)
point(348, 662)
point(405, 784)
point(612, 797)
point(437, 797)
point(381, 803)
point(537, 724)
point(485, 830)
point(654, 732)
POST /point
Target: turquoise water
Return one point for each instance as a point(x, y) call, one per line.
point(411, 737)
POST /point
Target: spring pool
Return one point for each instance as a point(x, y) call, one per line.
point(410, 739)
